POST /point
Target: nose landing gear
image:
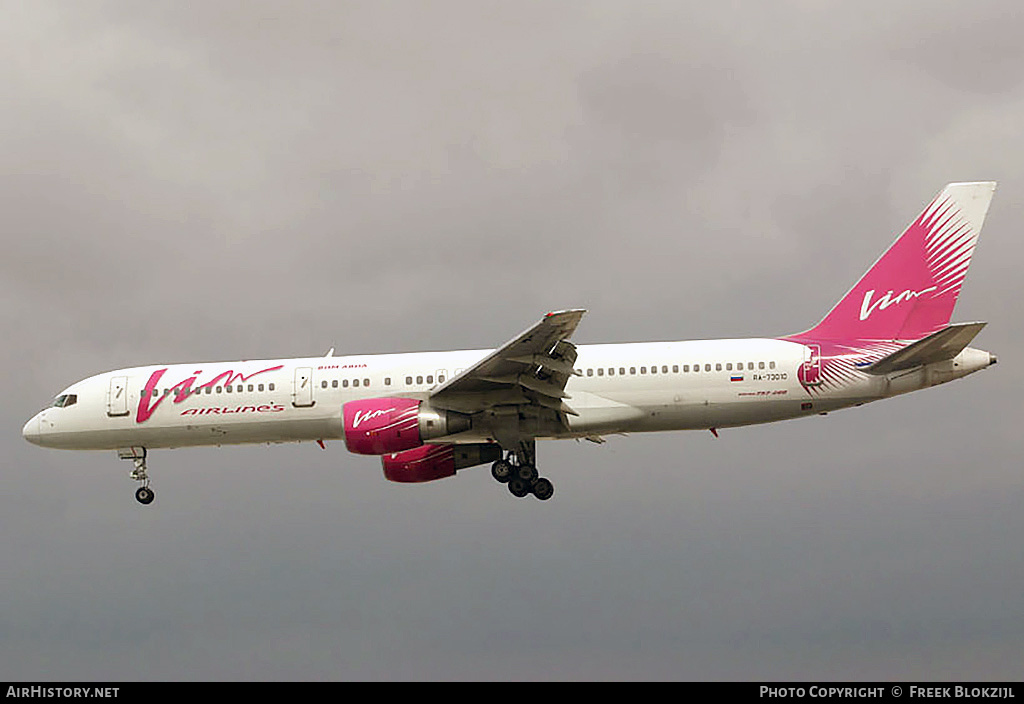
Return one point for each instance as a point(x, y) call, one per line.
point(144, 495)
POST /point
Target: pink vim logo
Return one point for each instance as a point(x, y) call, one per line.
point(150, 401)
point(882, 302)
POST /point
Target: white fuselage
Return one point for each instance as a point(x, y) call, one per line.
point(619, 388)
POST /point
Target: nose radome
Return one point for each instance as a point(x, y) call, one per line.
point(31, 430)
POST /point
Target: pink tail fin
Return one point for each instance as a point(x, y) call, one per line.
point(911, 290)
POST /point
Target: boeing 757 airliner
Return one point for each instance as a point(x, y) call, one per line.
point(429, 414)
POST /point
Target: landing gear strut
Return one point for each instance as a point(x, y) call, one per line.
point(144, 495)
point(518, 471)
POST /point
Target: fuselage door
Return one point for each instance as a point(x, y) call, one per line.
point(302, 390)
point(117, 396)
point(810, 370)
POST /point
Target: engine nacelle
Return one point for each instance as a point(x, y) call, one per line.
point(430, 462)
point(380, 426)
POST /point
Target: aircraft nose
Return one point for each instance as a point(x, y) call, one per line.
point(31, 430)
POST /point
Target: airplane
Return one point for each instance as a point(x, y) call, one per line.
point(428, 415)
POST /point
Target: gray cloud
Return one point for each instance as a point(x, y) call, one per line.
point(273, 179)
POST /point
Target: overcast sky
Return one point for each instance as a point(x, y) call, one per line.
point(183, 182)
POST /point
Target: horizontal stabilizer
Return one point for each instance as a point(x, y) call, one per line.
point(942, 345)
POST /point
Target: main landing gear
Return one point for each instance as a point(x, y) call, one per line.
point(518, 471)
point(144, 495)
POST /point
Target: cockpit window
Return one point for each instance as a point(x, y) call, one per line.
point(65, 400)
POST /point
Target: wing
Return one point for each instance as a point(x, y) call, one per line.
point(529, 371)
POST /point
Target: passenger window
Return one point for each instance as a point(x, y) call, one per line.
point(334, 383)
point(600, 371)
point(344, 382)
point(686, 367)
point(643, 370)
point(590, 372)
point(760, 365)
point(430, 378)
point(408, 380)
point(707, 367)
point(355, 382)
point(260, 387)
point(622, 371)
point(664, 369)
point(250, 387)
point(632, 370)
point(366, 382)
point(611, 371)
point(718, 366)
point(419, 380)
point(440, 380)
point(218, 389)
point(323, 384)
point(654, 370)
point(387, 381)
point(771, 365)
point(728, 367)
point(675, 368)
point(271, 387)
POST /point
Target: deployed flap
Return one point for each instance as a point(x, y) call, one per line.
point(530, 369)
point(944, 344)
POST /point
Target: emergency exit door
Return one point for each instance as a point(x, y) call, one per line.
point(302, 389)
point(117, 396)
point(810, 371)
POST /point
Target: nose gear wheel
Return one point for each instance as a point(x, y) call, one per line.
point(144, 495)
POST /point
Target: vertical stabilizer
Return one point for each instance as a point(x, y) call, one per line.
point(911, 291)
